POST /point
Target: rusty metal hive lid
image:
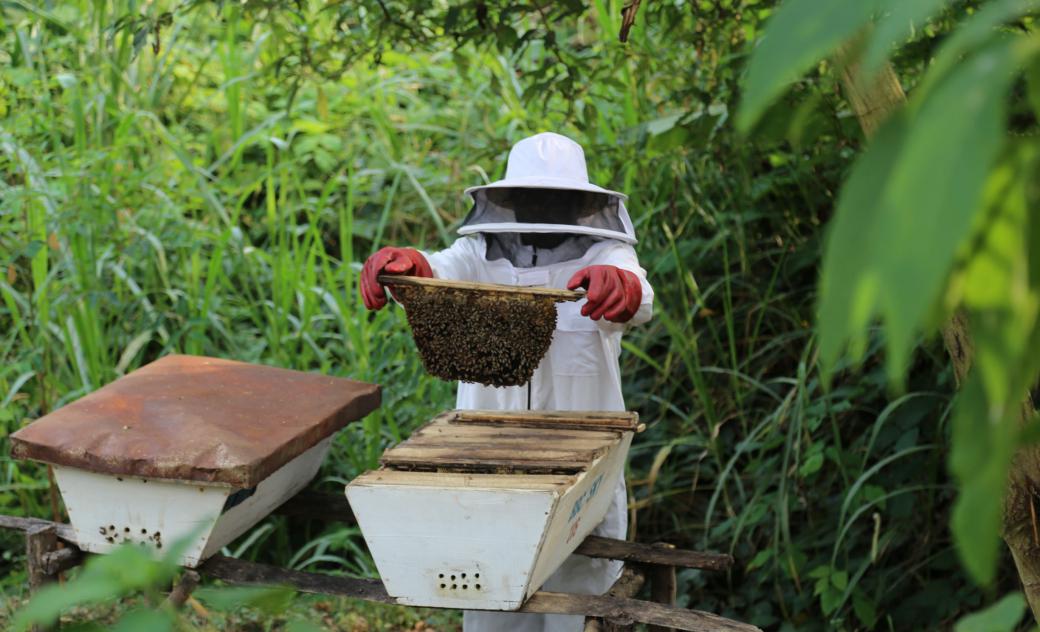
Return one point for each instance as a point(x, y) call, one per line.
point(197, 419)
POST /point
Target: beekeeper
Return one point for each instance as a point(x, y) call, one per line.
point(546, 225)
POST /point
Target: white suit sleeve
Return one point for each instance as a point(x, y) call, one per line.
point(624, 256)
point(457, 262)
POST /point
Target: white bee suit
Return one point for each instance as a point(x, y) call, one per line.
point(580, 370)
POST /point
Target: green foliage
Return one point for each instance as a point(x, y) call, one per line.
point(218, 196)
point(935, 217)
point(126, 570)
point(1002, 616)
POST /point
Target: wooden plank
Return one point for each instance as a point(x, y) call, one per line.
point(64, 531)
point(507, 432)
point(461, 465)
point(626, 587)
point(39, 541)
point(252, 574)
point(618, 609)
point(598, 420)
point(62, 560)
point(188, 583)
point(662, 585)
point(462, 480)
point(522, 449)
point(633, 611)
point(490, 288)
point(595, 546)
point(486, 458)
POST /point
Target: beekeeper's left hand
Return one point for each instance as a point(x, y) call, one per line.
point(613, 293)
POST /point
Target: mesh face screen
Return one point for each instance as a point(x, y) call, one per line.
point(545, 206)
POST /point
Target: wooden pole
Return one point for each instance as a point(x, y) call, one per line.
point(39, 541)
point(180, 593)
point(873, 102)
point(662, 585)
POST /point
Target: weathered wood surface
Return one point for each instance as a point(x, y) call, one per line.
point(64, 531)
point(62, 560)
point(469, 480)
point(252, 574)
point(622, 610)
point(182, 591)
point(39, 541)
point(626, 587)
point(510, 443)
point(626, 611)
point(565, 420)
point(662, 584)
point(609, 548)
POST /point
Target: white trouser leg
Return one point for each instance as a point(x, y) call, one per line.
point(578, 574)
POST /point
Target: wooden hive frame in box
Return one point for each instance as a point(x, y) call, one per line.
point(479, 332)
point(478, 508)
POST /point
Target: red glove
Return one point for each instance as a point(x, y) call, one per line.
point(613, 293)
point(389, 261)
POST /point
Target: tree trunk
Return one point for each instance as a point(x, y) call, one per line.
point(872, 102)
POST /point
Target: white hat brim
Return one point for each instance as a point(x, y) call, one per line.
point(543, 182)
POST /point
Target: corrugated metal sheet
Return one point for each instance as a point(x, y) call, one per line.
point(197, 419)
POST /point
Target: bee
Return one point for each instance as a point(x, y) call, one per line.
point(492, 339)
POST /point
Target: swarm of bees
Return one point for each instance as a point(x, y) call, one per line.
point(493, 339)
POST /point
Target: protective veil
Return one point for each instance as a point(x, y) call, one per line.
point(580, 371)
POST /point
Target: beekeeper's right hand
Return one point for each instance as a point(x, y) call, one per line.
point(389, 261)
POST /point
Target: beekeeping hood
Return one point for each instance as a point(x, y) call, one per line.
point(546, 189)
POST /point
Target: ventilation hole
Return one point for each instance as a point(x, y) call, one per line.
point(442, 585)
point(453, 577)
point(126, 529)
point(477, 586)
point(463, 576)
point(477, 575)
point(454, 586)
point(158, 545)
point(111, 527)
point(464, 587)
point(440, 575)
point(144, 530)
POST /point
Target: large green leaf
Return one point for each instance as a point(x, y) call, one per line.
point(1002, 616)
point(981, 454)
point(800, 33)
point(849, 282)
point(910, 204)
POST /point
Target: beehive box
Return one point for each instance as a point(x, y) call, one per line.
point(190, 447)
point(478, 508)
point(479, 332)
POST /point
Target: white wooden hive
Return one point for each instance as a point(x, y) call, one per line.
point(190, 448)
point(478, 508)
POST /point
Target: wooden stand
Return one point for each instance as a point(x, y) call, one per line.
point(616, 610)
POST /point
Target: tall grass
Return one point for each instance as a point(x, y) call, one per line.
point(197, 200)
